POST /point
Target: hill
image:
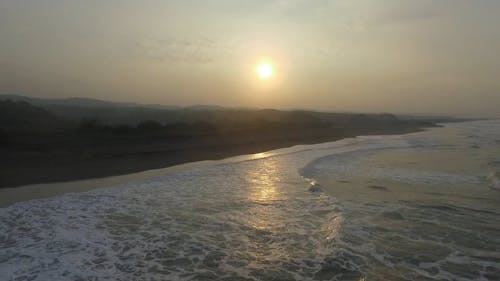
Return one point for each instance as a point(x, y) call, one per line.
point(17, 116)
point(113, 113)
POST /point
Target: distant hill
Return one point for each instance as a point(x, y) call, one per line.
point(21, 116)
point(114, 113)
point(81, 102)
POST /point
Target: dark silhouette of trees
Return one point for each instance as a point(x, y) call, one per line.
point(149, 126)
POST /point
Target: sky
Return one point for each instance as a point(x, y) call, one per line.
point(400, 56)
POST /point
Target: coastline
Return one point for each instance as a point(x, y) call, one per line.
point(52, 168)
point(96, 177)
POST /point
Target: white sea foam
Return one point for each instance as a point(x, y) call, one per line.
point(251, 219)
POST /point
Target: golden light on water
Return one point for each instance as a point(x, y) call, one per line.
point(264, 70)
point(264, 189)
point(264, 192)
point(268, 213)
point(261, 155)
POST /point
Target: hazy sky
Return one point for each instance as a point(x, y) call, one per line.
point(421, 56)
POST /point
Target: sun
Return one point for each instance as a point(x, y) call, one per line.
point(264, 70)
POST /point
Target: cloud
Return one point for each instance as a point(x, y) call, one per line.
point(182, 50)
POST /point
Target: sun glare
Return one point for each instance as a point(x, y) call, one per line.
point(264, 70)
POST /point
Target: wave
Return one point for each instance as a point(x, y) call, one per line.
point(251, 220)
point(348, 165)
point(258, 219)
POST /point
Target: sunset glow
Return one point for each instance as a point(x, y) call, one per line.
point(264, 70)
point(250, 140)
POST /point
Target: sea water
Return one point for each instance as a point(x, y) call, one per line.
point(421, 206)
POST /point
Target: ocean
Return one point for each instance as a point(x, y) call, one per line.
point(420, 206)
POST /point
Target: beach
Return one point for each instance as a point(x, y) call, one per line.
point(417, 206)
point(21, 166)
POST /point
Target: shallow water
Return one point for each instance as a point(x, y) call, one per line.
point(426, 211)
point(414, 207)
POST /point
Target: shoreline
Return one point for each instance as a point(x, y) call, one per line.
point(12, 195)
point(54, 168)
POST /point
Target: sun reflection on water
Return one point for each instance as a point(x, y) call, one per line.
point(278, 226)
point(265, 192)
point(264, 180)
point(260, 155)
